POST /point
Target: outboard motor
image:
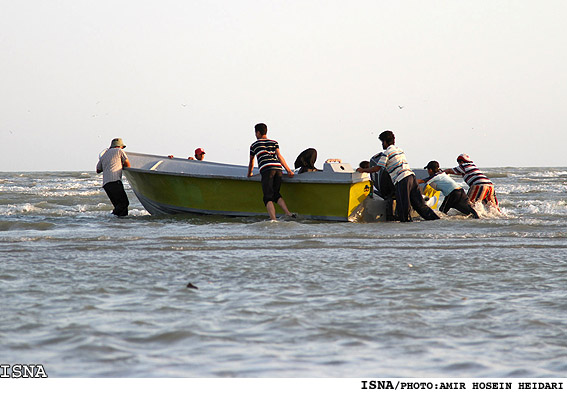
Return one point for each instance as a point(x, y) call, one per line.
point(383, 185)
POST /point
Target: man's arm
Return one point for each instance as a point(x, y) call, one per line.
point(450, 171)
point(125, 161)
point(381, 163)
point(282, 160)
point(369, 170)
point(250, 165)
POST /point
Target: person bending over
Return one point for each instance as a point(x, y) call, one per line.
point(480, 187)
point(110, 164)
point(407, 191)
point(455, 196)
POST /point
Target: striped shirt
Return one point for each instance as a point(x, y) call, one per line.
point(395, 162)
point(471, 174)
point(265, 150)
point(111, 163)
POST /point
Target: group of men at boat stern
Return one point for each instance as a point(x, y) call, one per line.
point(406, 190)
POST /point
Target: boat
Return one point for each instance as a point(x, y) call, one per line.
point(166, 185)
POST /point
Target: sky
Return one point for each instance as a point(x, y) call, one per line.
point(486, 78)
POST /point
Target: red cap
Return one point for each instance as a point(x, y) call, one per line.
point(464, 157)
point(199, 151)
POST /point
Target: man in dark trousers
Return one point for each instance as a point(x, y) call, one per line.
point(455, 196)
point(111, 164)
point(270, 162)
point(407, 190)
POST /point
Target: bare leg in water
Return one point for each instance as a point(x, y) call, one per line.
point(272, 209)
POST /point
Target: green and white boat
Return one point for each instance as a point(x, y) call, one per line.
point(170, 185)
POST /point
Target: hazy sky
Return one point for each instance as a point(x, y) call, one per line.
point(487, 78)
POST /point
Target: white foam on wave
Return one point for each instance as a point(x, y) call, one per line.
point(19, 209)
point(43, 208)
point(138, 212)
point(540, 174)
point(489, 212)
point(68, 193)
point(534, 187)
point(8, 188)
point(543, 207)
point(54, 189)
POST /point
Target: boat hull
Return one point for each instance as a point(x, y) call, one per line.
point(171, 186)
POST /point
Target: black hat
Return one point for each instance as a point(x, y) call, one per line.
point(432, 165)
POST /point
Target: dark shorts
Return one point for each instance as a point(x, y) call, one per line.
point(271, 182)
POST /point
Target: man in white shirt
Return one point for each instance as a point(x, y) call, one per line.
point(407, 191)
point(455, 196)
point(111, 164)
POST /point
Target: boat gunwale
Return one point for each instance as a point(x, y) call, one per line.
point(254, 178)
point(347, 178)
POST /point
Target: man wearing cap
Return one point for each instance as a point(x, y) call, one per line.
point(455, 196)
point(199, 154)
point(407, 190)
point(480, 187)
point(111, 164)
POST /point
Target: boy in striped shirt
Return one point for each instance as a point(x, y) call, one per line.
point(480, 187)
point(407, 190)
point(270, 163)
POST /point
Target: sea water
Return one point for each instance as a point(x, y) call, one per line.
point(86, 294)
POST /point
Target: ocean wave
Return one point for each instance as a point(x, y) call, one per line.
point(542, 207)
point(538, 174)
point(20, 225)
point(544, 189)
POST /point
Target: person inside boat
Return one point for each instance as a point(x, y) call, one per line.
point(199, 155)
point(306, 161)
point(111, 164)
point(270, 162)
point(480, 187)
point(406, 189)
point(455, 196)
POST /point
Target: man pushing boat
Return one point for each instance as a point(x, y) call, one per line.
point(111, 163)
point(407, 191)
point(270, 162)
point(480, 187)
